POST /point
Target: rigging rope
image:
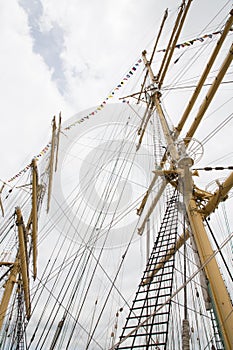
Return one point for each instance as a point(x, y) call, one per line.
point(177, 291)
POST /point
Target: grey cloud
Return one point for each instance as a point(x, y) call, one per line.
point(49, 44)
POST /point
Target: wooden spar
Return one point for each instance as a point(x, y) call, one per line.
point(34, 217)
point(148, 66)
point(214, 200)
point(210, 94)
point(51, 162)
point(147, 117)
point(29, 223)
point(9, 285)
point(1, 205)
point(219, 294)
point(58, 141)
point(155, 98)
point(169, 140)
point(153, 205)
point(150, 106)
point(144, 200)
point(143, 119)
point(155, 46)
point(154, 101)
point(23, 261)
point(172, 48)
point(167, 134)
point(159, 34)
point(166, 258)
point(170, 40)
point(204, 75)
point(218, 196)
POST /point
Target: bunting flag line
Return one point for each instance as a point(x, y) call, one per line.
point(129, 74)
point(37, 157)
point(191, 42)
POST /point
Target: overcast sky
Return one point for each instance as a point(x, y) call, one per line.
point(67, 56)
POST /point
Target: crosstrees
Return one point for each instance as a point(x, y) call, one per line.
point(153, 291)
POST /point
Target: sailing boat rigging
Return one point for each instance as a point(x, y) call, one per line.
point(135, 188)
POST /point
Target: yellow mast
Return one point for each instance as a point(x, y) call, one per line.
point(204, 75)
point(9, 285)
point(170, 40)
point(218, 292)
point(209, 96)
point(20, 266)
point(219, 195)
point(155, 46)
point(51, 162)
point(219, 295)
point(58, 141)
point(174, 42)
point(34, 215)
point(23, 261)
point(1, 205)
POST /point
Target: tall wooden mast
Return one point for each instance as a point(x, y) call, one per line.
point(9, 285)
point(23, 260)
point(180, 164)
point(34, 215)
point(17, 268)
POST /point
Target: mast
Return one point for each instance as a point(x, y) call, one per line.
point(58, 141)
point(171, 298)
point(34, 215)
point(180, 164)
point(209, 96)
point(9, 285)
point(217, 289)
point(177, 30)
point(204, 75)
point(51, 162)
point(23, 260)
point(154, 49)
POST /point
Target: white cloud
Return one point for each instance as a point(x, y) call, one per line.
point(100, 42)
point(102, 39)
point(28, 97)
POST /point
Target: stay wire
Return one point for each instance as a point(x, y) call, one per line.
point(106, 300)
point(176, 292)
point(220, 252)
point(90, 281)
